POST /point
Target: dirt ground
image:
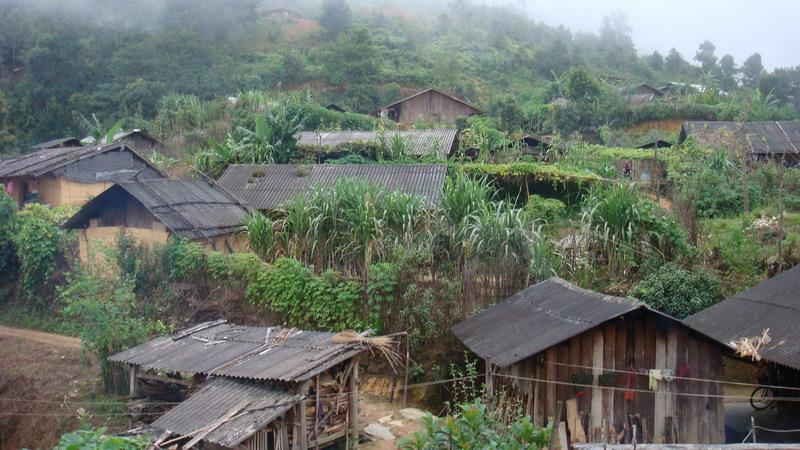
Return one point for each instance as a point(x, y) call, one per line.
point(42, 377)
point(376, 410)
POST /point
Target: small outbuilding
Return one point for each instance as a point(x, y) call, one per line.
point(613, 362)
point(72, 175)
point(56, 143)
point(153, 210)
point(268, 186)
point(261, 387)
point(429, 106)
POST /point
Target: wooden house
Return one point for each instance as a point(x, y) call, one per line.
point(430, 142)
point(771, 305)
point(137, 139)
point(261, 387)
point(429, 106)
point(613, 362)
point(72, 175)
point(151, 211)
point(641, 94)
point(268, 186)
point(765, 141)
point(281, 14)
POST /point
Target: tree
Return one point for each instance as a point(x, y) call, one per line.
point(727, 73)
point(706, 57)
point(656, 61)
point(678, 292)
point(6, 138)
point(352, 58)
point(674, 62)
point(580, 86)
point(336, 16)
point(616, 43)
point(751, 70)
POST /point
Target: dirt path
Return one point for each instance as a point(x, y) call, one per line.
point(57, 340)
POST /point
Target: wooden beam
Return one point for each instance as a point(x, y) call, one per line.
point(316, 414)
point(354, 403)
point(133, 371)
point(554, 432)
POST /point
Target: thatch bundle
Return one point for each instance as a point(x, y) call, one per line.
point(749, 347)
point(382, 345)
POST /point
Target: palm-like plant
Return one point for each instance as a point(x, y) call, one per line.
point(256, 147)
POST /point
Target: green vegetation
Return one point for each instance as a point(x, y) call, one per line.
point(99, 439)
point(473, 427)
point(678, 292)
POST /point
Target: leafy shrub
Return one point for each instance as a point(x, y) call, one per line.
point(98, 439)
point(325, 302)
point(38, 241)
point(103, 309)
point(474, 428)
point(185, 260)
point(8, 221)
point(678, 292)
point(548, 210)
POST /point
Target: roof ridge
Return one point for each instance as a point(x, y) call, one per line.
point(590, 293)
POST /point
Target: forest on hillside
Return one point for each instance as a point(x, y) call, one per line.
point(62, 62)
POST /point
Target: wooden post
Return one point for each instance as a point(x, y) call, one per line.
point(303, 441)
point(354, 402)
point(133, 371)
point(316, 416)
point(554, 432)
point(489, 378)
point(753, 427)
point(405, 376)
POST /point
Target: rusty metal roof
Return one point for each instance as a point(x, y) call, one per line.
point(538, 318)
point(760, 137)
point(438, 142)
point(223, 349)
point(216, 399)
point(269, 186)
point(189, 208)
point(773, 304)
point(44, 161)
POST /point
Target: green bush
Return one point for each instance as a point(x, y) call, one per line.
point(323, 302)
point(474, 428)
point(39, 241)
point(8, 222)
point(98, 439)
point(185, 260)
point(677, 291)
point(548, 210)
point(103, 309)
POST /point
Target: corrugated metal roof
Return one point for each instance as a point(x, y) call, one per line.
point(44, 161)
point(242, 352)
point(773, 304)
point(760, 137)
point(438, 142)
point(269, 186)
point(189, 208)
point(61, 142)
point(218, 397)
point(537, 318)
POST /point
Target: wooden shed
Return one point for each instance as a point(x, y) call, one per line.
point(429, 106)
point(151, 211)
point(613, 361)
point(765, 141)
point(72, 175)
point(260, 387)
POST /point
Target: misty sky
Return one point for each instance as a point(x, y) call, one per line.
point(737, 27)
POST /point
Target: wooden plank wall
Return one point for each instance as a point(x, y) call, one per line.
point(635, 343)
point(432, 107)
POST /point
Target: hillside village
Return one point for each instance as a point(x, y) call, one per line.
point(329, 224)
